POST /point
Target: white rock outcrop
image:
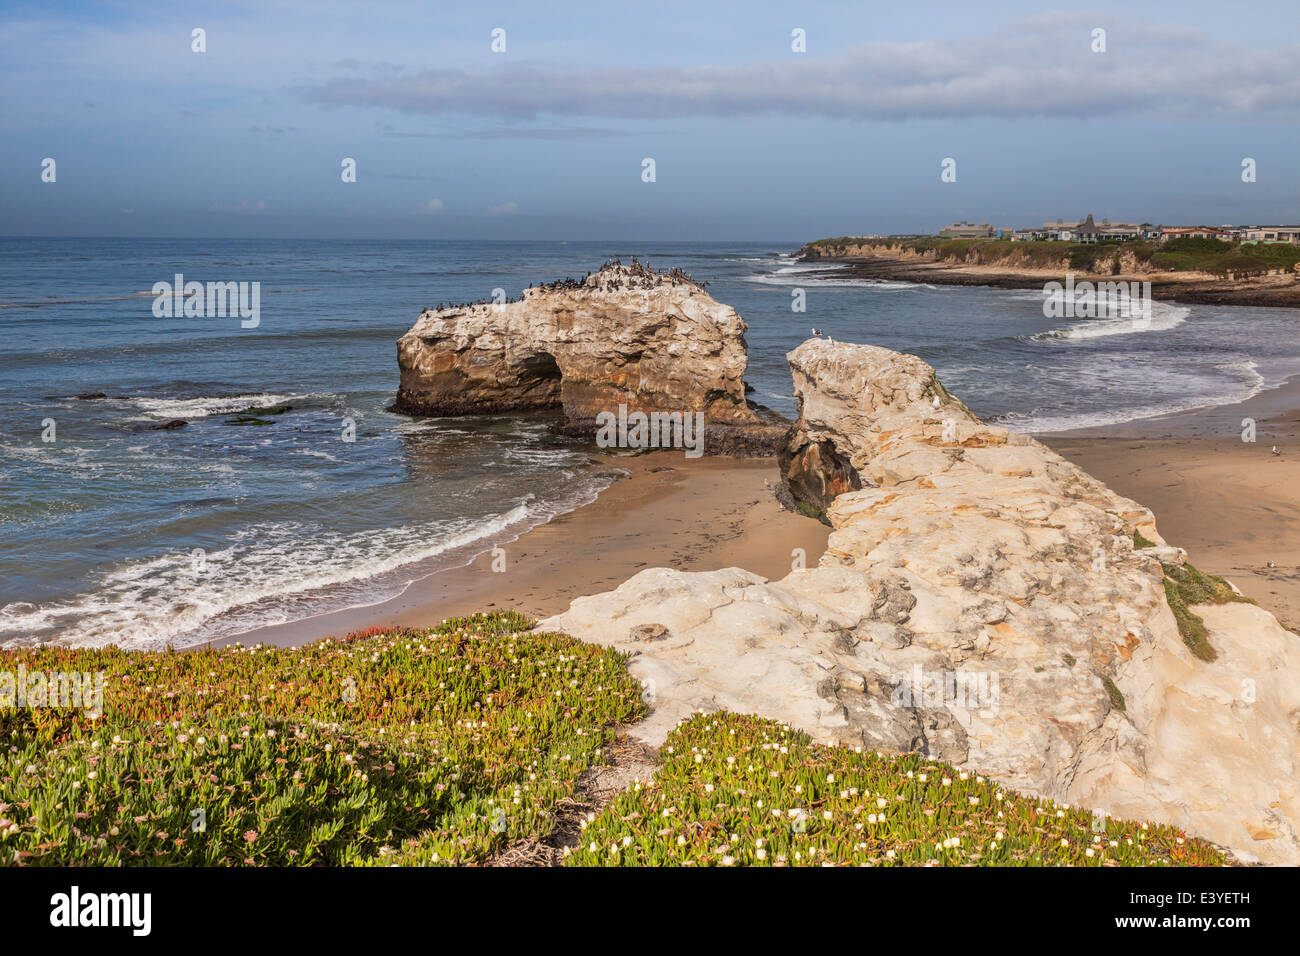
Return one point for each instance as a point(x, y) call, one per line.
point(625, 335)
point(980, 600)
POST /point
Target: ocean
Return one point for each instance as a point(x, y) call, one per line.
point(118, 532)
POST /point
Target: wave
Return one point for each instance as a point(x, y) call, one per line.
point(1032, 423)
point(203, 406)
point(797, 276)
point(268, 574)
point(1164, 316)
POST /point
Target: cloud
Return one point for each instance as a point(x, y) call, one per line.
point(503, 209)
point(243, 206)
point(432, 206)
point(1042, 66)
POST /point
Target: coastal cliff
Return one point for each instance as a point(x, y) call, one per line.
point(624, 335)
point(987, 603)
point(1267, 276)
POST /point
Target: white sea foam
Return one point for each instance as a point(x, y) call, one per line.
point(1251, 384)
point(268, 573)
point(1164, 316)
point(817, 277)
point(191, 408)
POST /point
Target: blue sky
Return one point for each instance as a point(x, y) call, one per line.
point(546, 140)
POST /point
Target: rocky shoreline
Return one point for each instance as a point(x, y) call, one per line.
point(879, 262)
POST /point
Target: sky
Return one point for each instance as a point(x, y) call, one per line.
point(546, 136)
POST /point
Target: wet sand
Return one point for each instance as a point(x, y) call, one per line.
point(690, 514)
point(1233, 505)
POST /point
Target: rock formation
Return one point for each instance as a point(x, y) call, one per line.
point(625, 335)
point(984, 601)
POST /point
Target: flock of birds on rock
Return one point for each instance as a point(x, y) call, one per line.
point(613, 276)
point(457, 306)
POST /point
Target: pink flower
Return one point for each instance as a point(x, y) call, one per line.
point(250, 835)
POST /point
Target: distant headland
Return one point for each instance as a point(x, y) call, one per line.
point(1197, 264)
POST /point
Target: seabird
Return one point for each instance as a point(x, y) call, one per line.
point(1275, 451)
point(816, 331)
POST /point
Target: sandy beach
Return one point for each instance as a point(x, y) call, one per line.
point(1234, 506)
point(1230, 504)
point(671, 511)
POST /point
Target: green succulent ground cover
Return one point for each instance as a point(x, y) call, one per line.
point(436, 746)
point(741, 791)
point(448, 745)
point(1187, 585)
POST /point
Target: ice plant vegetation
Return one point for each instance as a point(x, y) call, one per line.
point(397, 746)
point(741, 791)
point(448, 745)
